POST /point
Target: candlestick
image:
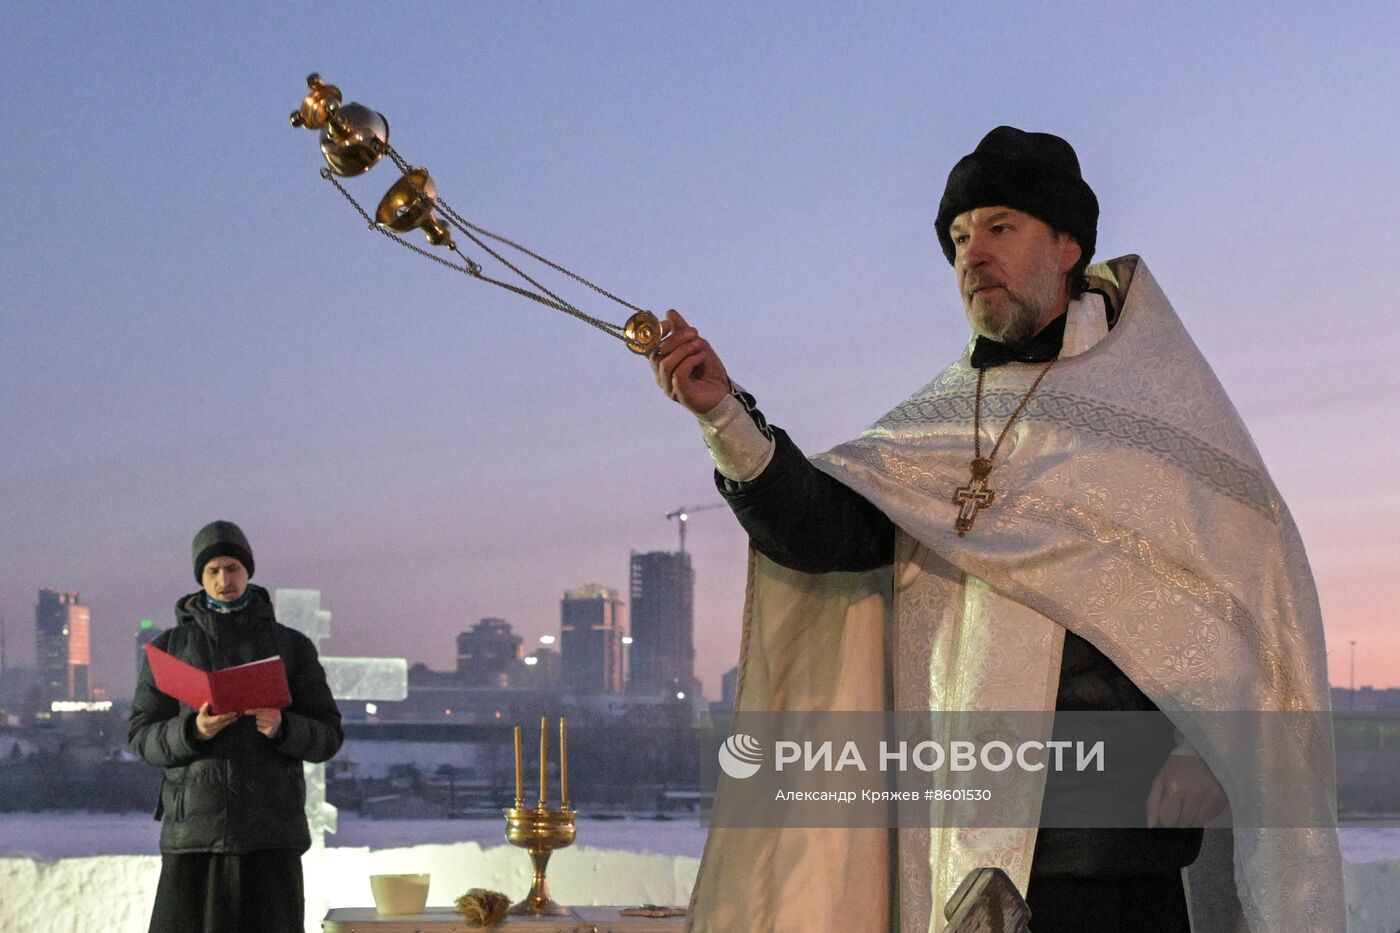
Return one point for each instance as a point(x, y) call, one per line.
point(519, 773)
point(540, 829)
point(563, 764)
point(544, 720)
point(541, 832)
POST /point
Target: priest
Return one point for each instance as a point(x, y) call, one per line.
point(1071, 516)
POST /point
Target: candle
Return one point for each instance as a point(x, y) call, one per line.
point(519, 774)
point(563, 764)
point(543, 721)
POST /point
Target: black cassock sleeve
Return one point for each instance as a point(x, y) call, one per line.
point(806, 520)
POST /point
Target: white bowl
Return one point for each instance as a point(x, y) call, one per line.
point(399, 894)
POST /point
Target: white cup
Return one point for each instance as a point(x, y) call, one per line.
point(399, 894)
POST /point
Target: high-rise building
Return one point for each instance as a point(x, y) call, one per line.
point(489, 654)
point(540, 669)
point(146, 632)
point(662, 654)
point(62, 641)
point(590, 639)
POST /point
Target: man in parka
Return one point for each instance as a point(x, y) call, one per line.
point(233, 795)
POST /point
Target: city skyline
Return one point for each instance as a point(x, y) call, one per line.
point(195, 326)
point(147, 629)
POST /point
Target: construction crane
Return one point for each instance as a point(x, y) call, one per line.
point(682, 516)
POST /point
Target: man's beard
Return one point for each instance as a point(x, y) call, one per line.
point(1019, 315)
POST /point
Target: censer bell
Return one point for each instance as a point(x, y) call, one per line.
point(353, 139)
point(408, 204)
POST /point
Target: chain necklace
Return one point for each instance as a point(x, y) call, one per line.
point(975, 495)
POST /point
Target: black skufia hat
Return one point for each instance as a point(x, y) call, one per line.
point(1033, 172)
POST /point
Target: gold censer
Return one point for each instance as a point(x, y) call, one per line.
point(353, 140)
point(540, 830)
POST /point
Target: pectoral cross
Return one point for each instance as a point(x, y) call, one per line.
point(973, 497)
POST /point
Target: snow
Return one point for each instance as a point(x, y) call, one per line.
point(86, 871)
point(49, 836)
point(80, 872)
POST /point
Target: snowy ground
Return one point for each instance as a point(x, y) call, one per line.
point(49, 836)
point(78, 872)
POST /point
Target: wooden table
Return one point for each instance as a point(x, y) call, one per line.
point(447, 920)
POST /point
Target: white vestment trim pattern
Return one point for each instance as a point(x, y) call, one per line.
point(1133, 509)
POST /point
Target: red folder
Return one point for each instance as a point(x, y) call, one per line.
point(255, 685)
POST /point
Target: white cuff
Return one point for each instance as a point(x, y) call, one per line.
point(740, 450)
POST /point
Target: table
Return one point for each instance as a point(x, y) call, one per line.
point(447, 920)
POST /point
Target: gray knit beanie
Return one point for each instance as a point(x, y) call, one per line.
point(221, 539)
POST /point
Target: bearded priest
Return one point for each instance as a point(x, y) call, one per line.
point(1071, 516)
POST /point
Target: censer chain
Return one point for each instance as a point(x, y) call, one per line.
point(466, 225)
point(473, 269)
point(557, 302)
point(463, 222)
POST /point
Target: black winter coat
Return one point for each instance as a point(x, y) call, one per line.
point(240, 791)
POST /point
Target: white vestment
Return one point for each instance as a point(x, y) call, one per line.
point(1132, 509)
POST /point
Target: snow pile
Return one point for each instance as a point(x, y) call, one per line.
point(1373, 897)
point(42, 891)
point(114, 892)
point(79, 895)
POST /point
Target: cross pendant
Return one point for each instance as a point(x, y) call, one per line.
point(972, 497)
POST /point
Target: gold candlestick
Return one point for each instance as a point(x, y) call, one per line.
point(541, 830)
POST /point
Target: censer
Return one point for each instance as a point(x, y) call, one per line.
point(353, 140)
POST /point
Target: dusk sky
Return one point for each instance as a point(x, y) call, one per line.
point(196, 326)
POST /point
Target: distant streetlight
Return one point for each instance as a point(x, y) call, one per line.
point(531, 661)
point(546, 639)
point(627, 639)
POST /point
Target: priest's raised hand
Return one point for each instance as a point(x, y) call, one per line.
point(687, 368)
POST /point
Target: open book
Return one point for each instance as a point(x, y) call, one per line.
point(255, 685)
